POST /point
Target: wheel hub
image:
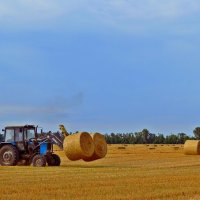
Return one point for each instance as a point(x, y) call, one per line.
point(7, 156)
point(38, 162)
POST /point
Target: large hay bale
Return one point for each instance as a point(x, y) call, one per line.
point(78, 146)
point(192, 147)
point(100, 147)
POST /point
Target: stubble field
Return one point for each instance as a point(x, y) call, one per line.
point(128, 172)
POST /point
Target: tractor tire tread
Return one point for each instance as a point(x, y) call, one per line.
point(15, 155)
point(41, 163)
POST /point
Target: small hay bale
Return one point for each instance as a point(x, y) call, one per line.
point(100, 147)
point(78, 145)
point(151, 148)
point(192, 147)
point(121, 147)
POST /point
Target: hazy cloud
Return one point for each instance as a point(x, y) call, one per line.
point(112, 12)
point(150, 9)
point(51, 111)
point(28, 10)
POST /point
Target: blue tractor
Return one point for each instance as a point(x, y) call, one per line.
point(23, 144)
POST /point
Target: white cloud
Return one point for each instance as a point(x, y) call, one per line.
point(47, 13)
point(18, 12)
point(55, 106)
point(54, 111)
point(151, 9)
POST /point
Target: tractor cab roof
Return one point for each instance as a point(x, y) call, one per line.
point(23, 126)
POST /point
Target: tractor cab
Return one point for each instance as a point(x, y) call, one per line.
point(20, 136)
point(15, 134)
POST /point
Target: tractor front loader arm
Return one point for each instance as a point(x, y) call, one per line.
point(63, 130)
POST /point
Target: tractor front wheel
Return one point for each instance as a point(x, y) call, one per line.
point(54, 160)
point(9, 155)
point(39, 161)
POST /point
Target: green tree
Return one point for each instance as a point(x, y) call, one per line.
point(145, 135)
point(197, 132)
point(171, 139)
point(138, 138)
point(159, 139)
point(182, 137)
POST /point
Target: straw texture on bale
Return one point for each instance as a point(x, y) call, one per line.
point(100, 147)
point(192, 147)
point(78, 145)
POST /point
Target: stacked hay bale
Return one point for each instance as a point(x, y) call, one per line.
point(78, 145)
point(85, 146)
point(192, 147)
point(100, 147)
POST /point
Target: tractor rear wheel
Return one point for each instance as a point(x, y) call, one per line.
point(54, 160)
point(57, 159)
point(9, 155)
point(39, 161)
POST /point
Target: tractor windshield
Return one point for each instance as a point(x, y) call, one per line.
point(30, 133)
point(18, 134)
point(9, 135)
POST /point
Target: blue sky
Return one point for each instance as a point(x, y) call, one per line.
point(107, 66)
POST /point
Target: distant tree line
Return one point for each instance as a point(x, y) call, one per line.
point(145, 137)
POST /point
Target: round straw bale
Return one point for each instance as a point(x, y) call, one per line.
point(192, 147)
point(78, 145)
point(100, 147)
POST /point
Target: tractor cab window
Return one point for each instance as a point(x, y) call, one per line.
point(9, 135)
point(18, 134)
point(30, 134)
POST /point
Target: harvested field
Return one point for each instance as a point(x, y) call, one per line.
point(135, 172)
